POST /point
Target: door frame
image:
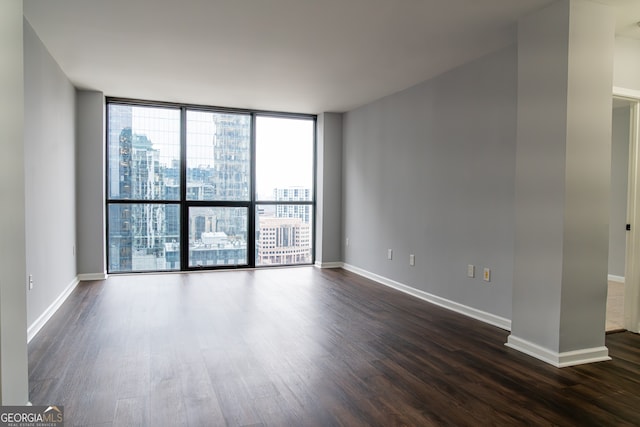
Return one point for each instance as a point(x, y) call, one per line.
point(632, 256)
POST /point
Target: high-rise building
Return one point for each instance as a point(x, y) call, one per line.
point(137, 231)
point(284, 233)
point(119, 143)
point(293, 194)
point(283, 241)
point(231, 157)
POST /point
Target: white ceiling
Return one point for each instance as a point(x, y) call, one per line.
point(305, 56)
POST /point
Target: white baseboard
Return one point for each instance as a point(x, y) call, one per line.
point(50, 311)
point(474, 313)
point(613, 278)
point(329, 264)
point(559, 360)
point(92, 276)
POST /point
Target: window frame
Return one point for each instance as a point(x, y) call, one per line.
point(185, 204)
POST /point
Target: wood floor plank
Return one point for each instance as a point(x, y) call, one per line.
point(131, 412)
point(304, 347)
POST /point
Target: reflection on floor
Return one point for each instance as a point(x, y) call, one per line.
point(615, 306)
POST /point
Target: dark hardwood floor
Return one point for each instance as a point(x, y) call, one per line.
point(304, 347)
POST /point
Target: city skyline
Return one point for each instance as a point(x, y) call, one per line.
point(145, 236)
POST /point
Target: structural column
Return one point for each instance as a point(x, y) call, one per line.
point(565, 72)
point(90, 188)
point(14, 388)
point(329, 190)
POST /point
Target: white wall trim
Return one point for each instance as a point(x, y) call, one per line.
point(559, 360)
point(474, 313)
point(50, 311)
point(92, 276)
point(337, 264)
point(624, 92)
point(614, 278)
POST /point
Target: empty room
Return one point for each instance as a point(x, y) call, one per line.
point(318, 213)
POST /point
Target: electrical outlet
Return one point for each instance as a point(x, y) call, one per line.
point(471, 270)
point(487, 275)
point(412, 260)
point(389, 253)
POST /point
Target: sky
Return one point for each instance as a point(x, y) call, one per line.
point(284, 154)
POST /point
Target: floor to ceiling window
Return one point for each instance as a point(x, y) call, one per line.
point(218, 188)
point(143, 177)
point(284, 190)
point(196, 187)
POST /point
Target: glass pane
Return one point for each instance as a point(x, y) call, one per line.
point(218, 156)
point(283, 234)
point(144, 237)
point(217, 236)
point(284, 159)
point(144, 153)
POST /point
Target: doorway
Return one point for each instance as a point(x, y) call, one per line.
point(620, 146)
point(624, 239)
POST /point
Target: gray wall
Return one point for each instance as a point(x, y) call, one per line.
point(90, 189)
point(50, 176)
point(542, 99)
point(430, 171)
point(329, 189)
point(586, 236)
point(619, 184)
point(13, 308)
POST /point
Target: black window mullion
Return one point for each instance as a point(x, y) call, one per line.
point(251, 238)
point(184, 210)
point(314, 189)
